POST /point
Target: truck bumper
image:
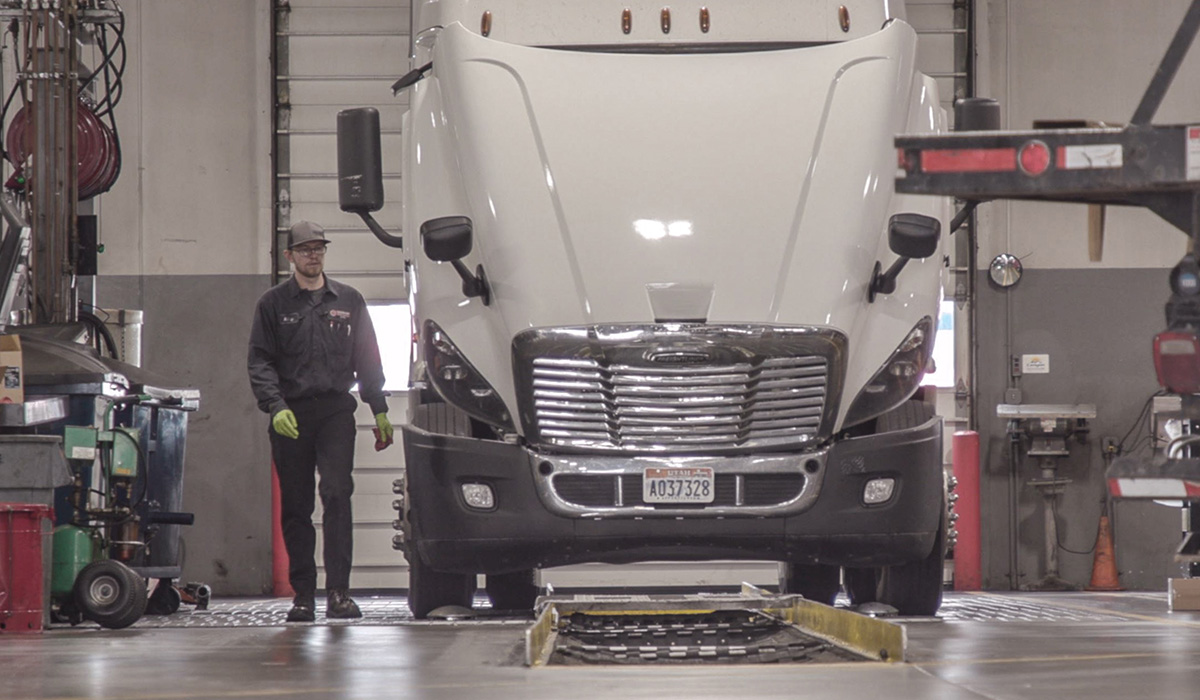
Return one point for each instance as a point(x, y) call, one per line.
point(828, 524)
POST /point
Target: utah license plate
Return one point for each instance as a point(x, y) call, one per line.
point(677, 485)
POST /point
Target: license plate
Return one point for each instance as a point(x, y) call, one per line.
point(677, 485)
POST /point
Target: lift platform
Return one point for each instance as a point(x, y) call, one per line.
point(754, 626)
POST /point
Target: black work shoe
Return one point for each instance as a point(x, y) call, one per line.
point(340, 605)
point(301, 612)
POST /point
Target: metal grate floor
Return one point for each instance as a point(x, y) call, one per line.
point(1007, 608)
point(384, 610)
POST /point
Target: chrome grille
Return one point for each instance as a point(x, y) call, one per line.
point(600, 490)
point(740, 394)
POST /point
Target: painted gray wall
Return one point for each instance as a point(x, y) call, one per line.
point(1075, 59)
point(1096, 326)
point(196, 332)
point(187, 238)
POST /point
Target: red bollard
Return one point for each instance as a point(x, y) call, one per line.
point(279, 559)
point(968, 570)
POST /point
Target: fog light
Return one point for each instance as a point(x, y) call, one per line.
point(479, 496)
point(878, 491)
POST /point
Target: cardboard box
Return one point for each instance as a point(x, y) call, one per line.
point(12, 370)
point(1183, 594)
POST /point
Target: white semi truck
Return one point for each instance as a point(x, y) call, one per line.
point(667, 303)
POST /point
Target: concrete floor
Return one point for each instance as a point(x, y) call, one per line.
point(1060, 646)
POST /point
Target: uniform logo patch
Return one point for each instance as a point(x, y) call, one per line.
point(289, 319)
point(339, 314)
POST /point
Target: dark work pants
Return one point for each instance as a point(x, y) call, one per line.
point(325, 447)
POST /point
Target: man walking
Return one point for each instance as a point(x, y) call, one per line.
point(312, 339)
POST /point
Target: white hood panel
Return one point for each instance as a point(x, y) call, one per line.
point(606, 186)
point(587, 183)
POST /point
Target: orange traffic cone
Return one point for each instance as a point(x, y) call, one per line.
point(1104, 564)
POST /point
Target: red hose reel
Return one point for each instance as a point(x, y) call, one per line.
point(99, 153)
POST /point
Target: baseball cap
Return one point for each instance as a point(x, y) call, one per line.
point(303, 232)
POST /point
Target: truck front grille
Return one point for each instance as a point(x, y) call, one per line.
point(696, 391)
point(614, 490)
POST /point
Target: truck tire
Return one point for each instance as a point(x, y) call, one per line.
point(442, 418)
point(429, 590)
point(913, 588)
point(110, 593)
point(909, 414)
point(861, 583)
point(515, 591)
point(816, 582)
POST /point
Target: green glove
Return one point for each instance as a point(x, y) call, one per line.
point(284, 423)
point(383, 431)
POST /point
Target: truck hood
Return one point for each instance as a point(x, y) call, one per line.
point(757, 193)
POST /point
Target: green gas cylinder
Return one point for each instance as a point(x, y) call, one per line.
point(74, 548)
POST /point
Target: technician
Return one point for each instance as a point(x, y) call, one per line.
point(312, 339)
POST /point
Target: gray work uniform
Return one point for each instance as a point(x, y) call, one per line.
point(307, 349)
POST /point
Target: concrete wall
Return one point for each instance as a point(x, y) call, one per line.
point(1075, 59)
point(186, 232)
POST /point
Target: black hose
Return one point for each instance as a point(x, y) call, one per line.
point(102, 331)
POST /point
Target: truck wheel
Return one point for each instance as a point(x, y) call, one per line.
point(915, 588)
point(513, 591)
point(110, 593)
point(909, 414)
point(861, 584)
point(429, 589)
point(816, 582)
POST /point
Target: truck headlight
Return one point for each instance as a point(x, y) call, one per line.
point(897, 379)
point(459, 383)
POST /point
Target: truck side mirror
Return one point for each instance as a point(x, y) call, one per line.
point(447, 238)
point(360, 169)
point(914, 235)
point(976, 114)
point(909, 236)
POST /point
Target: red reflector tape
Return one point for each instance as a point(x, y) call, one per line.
point(972, 160)
point(1034, 158)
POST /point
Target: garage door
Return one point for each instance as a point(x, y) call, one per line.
point(330, 55)
point(334, 54)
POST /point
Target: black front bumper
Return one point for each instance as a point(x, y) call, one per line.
point(522, 532)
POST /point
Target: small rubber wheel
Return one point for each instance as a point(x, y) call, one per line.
point(110, 593)
point(165, 600)
point(516, 591)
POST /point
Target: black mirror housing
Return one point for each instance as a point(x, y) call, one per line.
point(914, 235)
point(360, 163)
point(976, 114)
point(447, 238)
